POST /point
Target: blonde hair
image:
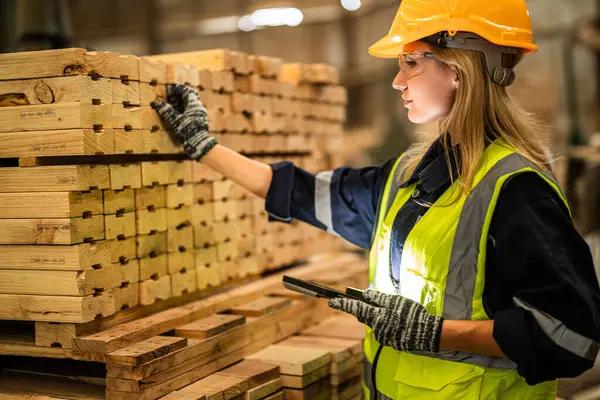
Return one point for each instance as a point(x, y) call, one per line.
point(481, 107)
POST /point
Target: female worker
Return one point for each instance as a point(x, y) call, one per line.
point(482, 287)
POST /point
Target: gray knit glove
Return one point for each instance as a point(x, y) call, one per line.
point(186, 118)
point(396, 321)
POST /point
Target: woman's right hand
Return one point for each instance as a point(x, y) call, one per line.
point(187, 120)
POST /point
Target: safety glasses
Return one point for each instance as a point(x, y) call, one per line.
point(413, 63)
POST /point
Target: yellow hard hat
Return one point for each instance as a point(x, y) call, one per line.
point(501, 22)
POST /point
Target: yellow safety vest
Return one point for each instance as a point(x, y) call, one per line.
point(443, 268)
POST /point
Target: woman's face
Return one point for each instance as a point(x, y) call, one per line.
point(428, 86)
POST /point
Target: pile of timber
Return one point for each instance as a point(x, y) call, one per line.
point(221, 347)
point(100, 212)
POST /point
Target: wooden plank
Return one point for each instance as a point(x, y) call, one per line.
point(152, 71)
point(57, 142)
point(302, 381)
point(51, 231)
point(50, 204)
point(264, 390)
point(150, 196)
point(179, 195)
point(75, 258)
point(125, 92)
point(179, 217)
point(126, 296)
point(120, 225)
point(129, 271)
point(210, 326)
point(153, 267)
point(208, 276)
point(152, 290)
point(125, 176)
point(183, 281)
point(151, 93)
point(341, 349)
point(75, 89)
point(180, 239)
point(345, 376)
point(151, 220)
point(118, 201)
point(254, 372)
point(181, 261)
point(320, 389)
point(183, 396)
point(126, 117)
point(146, 350)
point(160, 142)
point(218, 387)
point(262, 306)
point(294, 360)
point(154, 244)
point(217, 59)
point(54, 178)
point(129, 141)
point(55, 116)
point(202, 213)
point(144, 328)
point(24, 385)
point(55, 308)
point(58, 283)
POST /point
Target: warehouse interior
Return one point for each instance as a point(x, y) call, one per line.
point(194, 317)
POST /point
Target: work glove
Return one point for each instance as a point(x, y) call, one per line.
point(396, 321)
point(187, 120)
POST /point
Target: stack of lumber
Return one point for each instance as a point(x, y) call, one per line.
point(207, 348)
point(103, 219)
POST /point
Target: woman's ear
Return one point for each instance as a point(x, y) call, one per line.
point(455, 82)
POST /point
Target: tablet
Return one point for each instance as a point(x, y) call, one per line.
point(320, 291)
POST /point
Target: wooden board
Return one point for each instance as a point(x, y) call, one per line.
point(152, 71)
point(151, 220)
point(340, 349)
point(217, 59)
point(58, 283)
point(125, 176)
point(152, 290)
point(125, 92)
point(254, 372)
point(55, 116)
point(179, 195)
point(50, 204)
point(345, 376)
point(146, 350)
point(302, 381)
point(150, 196)
point(72, 89)
point(55, 308)
point(118, 201)
point(74, 258)
point(178, 217)
point(51, 231)
point(153, 267)
point(154, 244)
point(217, 386)
point(181, 261)
point(180, 239)
point(120, 225)
point(57, 142)
point(183, 281)
point(294, 360)
point(320, 389)
point(262, 306)
point(264, 390)
point(54, 178)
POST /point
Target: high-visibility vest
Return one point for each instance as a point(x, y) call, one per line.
point(442, 268)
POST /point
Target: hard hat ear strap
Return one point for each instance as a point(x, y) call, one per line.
point(493, 53)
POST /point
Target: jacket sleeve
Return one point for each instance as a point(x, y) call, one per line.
point(343, 201)
point(547, 317)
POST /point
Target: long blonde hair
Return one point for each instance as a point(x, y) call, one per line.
point(481, 108)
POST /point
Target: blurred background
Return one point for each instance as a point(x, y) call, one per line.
point(559, 83)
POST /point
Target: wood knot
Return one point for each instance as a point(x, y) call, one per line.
point(44, 93)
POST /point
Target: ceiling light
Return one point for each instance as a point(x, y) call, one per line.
point(245, 24)
point(277, 16)
point(351, 5)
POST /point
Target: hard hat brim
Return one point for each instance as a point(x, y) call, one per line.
point(390, 46)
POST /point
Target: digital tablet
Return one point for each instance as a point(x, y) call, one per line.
point(320, 291)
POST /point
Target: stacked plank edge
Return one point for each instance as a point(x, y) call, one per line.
point(106, 228)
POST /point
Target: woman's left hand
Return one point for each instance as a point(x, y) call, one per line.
point(396, 321)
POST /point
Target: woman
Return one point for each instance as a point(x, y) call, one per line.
point(483, 287)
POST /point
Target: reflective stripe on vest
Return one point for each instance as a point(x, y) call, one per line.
point(463, 285)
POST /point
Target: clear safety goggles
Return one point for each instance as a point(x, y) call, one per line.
point(413, 63)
